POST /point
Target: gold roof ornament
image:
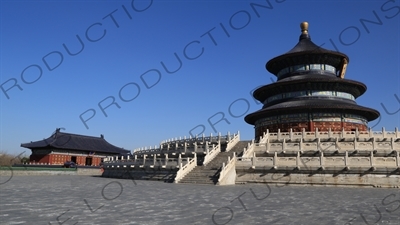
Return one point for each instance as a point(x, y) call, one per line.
point(304, 27)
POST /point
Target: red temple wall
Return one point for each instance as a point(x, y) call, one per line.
point(60, 159)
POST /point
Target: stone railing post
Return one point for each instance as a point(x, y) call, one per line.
point(392, 143)
point(322, 161)
point(284, 144)
point(346, 158)
point(298, 161)
point(371, 158)
point(301, 144)
point(373, 144)
point(275, 160)
point(337, 143)
point(355, 143)
point(144, 159)
point(253, 161)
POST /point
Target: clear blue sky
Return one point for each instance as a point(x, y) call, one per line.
point(223, 47)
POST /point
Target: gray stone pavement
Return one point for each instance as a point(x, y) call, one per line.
point(94, 200)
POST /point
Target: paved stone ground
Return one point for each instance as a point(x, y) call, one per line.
point(94, 200)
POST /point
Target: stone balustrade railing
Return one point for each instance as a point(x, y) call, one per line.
point(156, 160)
point(212, 154)
point(217, 138)
point(184, 170)
point(232, 142)
point(248, 151)
point(330, 134)
point(264, 138)
point(332, 145)
point(320, 162)
point(196, 144)
point(228, 174)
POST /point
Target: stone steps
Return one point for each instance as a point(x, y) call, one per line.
point(209, 174)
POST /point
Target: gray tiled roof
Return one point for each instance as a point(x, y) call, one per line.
point(61, 140)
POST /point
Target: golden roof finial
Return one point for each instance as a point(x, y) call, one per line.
point(304, 27)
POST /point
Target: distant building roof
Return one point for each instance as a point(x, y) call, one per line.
point(61, 140)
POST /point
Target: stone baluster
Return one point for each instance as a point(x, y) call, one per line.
point(180, 160)
point(228, 136)
point(346, 163)
point(284, 144)
point(371, 159)
point(298, 161)
point(253, 161)
point(383, 132)
point(357, 133)
point(303, 133)
point(337, 144)
point(206, 146)
point(135, 159)
point(396, 130)
point(392, 143)
point(195, 146)
point(355, 143)
point(166, 160)
point(301, 144)
point(154, 160)
point(398, 159)
point(316, 132)
point(329, 133)
point(275, 160)
point(322, 161)
point(185, 146)
point(144, 159)
point(279, 134)
point(203, 137)
point(291, 134)
point(373, 144)
point(128, 157)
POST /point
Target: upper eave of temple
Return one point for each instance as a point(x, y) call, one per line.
point(306, 52)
